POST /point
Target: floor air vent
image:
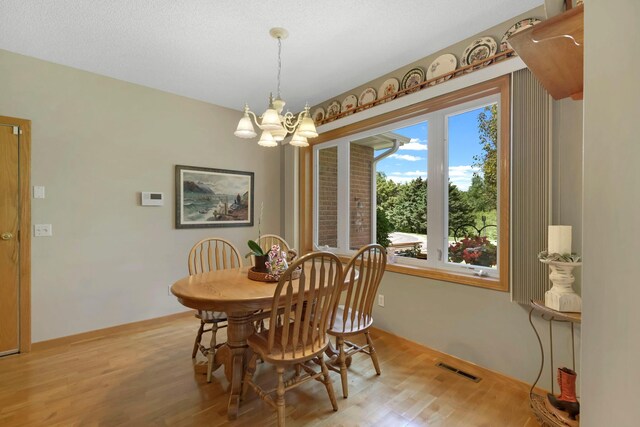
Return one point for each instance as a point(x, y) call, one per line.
point(459, 372)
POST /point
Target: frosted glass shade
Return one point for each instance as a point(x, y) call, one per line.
point(298, 141)
point(307, 128)
point(266, 139)
point(245, 128)
point(270, 120)
point(279, 134)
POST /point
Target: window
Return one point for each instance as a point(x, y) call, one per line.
point(432, 188)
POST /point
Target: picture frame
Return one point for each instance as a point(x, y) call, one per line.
point(208, 197)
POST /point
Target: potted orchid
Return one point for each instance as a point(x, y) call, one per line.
point(260, 256)
point(277, 263)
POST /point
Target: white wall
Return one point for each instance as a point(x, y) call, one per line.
point(611, 285)
point(96, 143)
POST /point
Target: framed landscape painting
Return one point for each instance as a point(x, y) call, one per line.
point(213, 198)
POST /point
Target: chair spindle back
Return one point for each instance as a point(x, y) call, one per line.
point(369, 262)
point(213, 254)
point(267, 240)
point(308, 313)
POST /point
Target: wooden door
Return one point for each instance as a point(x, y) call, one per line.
point(13, 210)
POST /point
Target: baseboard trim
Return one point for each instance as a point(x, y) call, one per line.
point(461, 363)
point(101, 333)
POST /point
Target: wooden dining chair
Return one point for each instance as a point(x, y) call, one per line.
point(309, 302)
point(362, 276)
point(210, 255)
point(267, 240)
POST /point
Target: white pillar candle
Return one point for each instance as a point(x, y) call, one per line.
point(559, 239)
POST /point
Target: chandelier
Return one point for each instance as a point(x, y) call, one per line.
point(276, 126)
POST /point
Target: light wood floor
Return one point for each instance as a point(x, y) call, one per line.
point(144, 376)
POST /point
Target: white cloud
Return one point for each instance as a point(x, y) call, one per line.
point(415, 173)
point(407, 157)
point(404, 177)
point(415, 144)
point(461, 175)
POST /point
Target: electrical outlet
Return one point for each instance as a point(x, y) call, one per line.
point(381, 300)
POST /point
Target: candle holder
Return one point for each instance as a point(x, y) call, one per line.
point(561, 296)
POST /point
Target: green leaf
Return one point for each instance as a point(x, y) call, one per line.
point(255, 248)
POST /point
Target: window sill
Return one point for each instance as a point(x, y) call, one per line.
point(498, 284)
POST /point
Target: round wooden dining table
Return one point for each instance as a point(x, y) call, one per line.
point(232, 292)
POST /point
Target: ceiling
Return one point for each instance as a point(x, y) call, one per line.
point(221, 52)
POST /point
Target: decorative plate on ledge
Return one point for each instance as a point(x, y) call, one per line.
point(318, 115)
point(443, 64)
point(389, 87)
point(349, 103)
point(333, 109)
point(412, 79)
point(368, 95)
point(479, 50)
point(516, 28)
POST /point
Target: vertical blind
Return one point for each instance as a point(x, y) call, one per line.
point(530, 186)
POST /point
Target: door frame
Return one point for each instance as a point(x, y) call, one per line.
point(24, 234)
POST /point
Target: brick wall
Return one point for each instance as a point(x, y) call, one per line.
point(360, 197)
point(328, 197)
point(361, 162)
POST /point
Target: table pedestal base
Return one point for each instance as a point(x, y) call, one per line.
point(234, 356)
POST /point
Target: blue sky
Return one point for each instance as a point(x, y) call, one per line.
point(410, 161)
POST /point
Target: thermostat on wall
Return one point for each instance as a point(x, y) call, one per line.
point(152, 199)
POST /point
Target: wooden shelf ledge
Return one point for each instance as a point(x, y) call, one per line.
point(554, 52)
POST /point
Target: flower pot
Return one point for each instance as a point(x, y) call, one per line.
point(259, 263)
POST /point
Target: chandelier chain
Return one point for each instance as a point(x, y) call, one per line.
point(279, 63)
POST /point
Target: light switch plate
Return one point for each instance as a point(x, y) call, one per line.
point(38, 192)
point(42, 230)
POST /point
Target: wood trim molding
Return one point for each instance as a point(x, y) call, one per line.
point(24, 159)
point(500, 85)
point(436, 274)
point(447, 276)
point(102, 333)
point(504, 170)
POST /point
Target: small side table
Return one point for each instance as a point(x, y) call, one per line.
point(537, 402)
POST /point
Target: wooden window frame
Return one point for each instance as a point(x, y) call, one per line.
point(501, 86)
